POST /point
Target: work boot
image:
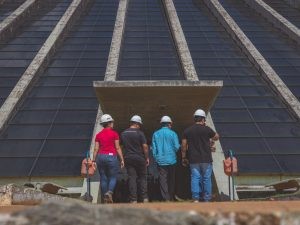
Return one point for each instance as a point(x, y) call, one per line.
point(108, 198)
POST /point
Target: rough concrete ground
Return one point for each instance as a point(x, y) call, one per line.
point(226, 207)
point(13, 208)
point(216, 213)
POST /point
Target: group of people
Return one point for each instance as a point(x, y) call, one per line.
point(134, 155)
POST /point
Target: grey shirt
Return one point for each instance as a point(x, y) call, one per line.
point(133, 140)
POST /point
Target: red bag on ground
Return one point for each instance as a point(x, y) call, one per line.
point(87, 166)
point(230, 166)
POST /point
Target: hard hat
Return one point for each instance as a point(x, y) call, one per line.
point(165, 119)
point(106, 118)
point(136, 119)
point(200, 112)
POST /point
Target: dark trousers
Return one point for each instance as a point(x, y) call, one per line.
point(137, 175)
point(167, 182)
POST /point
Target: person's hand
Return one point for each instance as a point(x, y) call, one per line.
point(147, 162)
point(122, 164)
point(212, 145)
point(185, 162)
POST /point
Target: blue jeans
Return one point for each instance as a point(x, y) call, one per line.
point(108, 167)
point(201, 181)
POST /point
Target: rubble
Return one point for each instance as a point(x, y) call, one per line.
point(12, 194)
point(74, 212)
point(77, 212)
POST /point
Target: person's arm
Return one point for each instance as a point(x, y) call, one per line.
point(176, 142)
point(119, 151)
point(143, 141)
point(154, 148)
point(96, 149)
point(183, 148)
point(146, 153)
point(216, 137)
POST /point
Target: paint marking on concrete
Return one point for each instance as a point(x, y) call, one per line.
point(110, 75)
point(181, 44)
point(40, 62)
point(276, 19)
point(266, 71)
point(11, 23)
point(191, 74)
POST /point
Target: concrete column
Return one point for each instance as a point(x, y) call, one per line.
point(180, 42)
point(110, 75)
point(41, 60)
point(10, 24)
point(276, 19)
point(191, 74)
point(266, 71)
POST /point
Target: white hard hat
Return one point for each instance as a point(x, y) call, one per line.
point(106, 118)
point(200, 112)
point(165, 119)
point(136, 119)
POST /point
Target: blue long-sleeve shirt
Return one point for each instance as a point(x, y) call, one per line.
point(165, 144)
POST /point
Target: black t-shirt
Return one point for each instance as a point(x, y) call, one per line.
point(198, 137)
point(133, 140)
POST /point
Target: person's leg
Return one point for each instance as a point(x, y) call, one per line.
point(132, 181)
point(112, 173)
point(141, 170)
point(195, 181)
point(171, 181)
point(206, 182)
point(163, 182)
point(113, 170)
point(101, 165)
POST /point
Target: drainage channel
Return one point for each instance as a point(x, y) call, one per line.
point(247, 114)
point(287, 11)
point(51, 131)
point(17, 54)
point(8, 7)
point(281, 53)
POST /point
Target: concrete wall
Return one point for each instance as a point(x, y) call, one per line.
point(40, 62)
point(110, 75)
point(191, 74)
point(10, 25)
point(260, 63)
point(293, 3)
point(275, 19)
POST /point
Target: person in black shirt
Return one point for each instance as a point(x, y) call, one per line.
point(196, 144)
point(136, 158)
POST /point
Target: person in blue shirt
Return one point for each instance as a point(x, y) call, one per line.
point(165, 144)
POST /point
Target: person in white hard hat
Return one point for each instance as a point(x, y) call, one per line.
point(165, 145)
point(107, 148)
point(196, 150)
point(136, 159)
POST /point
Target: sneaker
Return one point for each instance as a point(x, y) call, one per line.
point(146, 200)
point(195, 201)
point(108, 197)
